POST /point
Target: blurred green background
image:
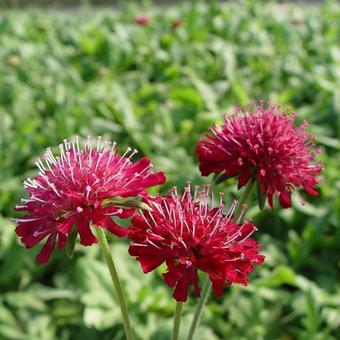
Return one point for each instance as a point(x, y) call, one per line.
point(158, 88)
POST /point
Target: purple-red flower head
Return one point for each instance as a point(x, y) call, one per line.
point(266, 146)
point(74, 189)
point(189, 234)
point(142, 20)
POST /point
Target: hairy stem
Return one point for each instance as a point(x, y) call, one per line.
point(115, 280)
point(177, 320)
point(199, 308)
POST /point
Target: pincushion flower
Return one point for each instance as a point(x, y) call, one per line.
point(142, 20)
point(78, 188)
point(188, 234)
point(265, 146)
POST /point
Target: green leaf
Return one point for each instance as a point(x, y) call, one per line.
point(219, 178)
point(281, 275)
point(71, 242)
point(205, 90)
point(261, 199)
point(126, 202)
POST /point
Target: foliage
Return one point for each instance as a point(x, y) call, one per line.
point(158, 88)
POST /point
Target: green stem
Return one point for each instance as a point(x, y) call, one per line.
point(243, 200)
point(207, 285)
point(177, 320)
point(199, 308)
point(115, 280)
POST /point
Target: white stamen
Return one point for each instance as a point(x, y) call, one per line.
point(37, 233)
point(99, 138)
point(88, 190)
point(153, 244)
point(24, 220)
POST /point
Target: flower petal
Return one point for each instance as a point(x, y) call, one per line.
point(46, 251)
point(85, 233)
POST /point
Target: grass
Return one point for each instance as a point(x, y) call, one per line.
point(159, 89)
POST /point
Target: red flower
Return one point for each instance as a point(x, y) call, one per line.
point(263, 145)
point(75, 189)
point(176, 23)
point(142, 20)
point(190, 235)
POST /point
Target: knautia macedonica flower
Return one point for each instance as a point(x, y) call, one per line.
point(188, 234)
point(142, 20)
point(80, 187)
point(262, 145)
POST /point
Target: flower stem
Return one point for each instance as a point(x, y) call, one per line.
point(207, 284)
point(244, 198)
point(177, 320)
point(199, 308)
point(115, 280)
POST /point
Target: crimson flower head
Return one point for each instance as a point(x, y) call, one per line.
point(188, 234)
point(142, 20)
point(80, 187)
point(263, 145)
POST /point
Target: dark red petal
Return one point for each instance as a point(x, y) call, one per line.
point(154, 179)
point(66, 225)
point(136, 250)
point(31, 234)
point(114, 228)
point(139, 184)
point(171, 278)
point(126, 213)
point(207, 168)
point(149, 263)
point(85, 233)
point(247, 228)
point(231, 273)
point(258, 259)
point(128, 191)
point(62, 238)
point(212, 160)
point(244, 177)
point(182, 288)
point(46, 251)
point(311, 191)
point(285, 199)
point(217, 285)
point(139, 165)
point(194, 280)
point(139, 222)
